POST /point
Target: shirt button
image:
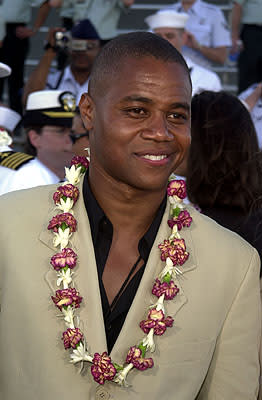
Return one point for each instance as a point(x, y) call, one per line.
point(102, 394)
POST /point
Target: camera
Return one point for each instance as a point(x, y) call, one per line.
point(62, 40)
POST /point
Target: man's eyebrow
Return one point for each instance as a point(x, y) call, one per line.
point(146, 100)
point(185, 106)
point(137, 98)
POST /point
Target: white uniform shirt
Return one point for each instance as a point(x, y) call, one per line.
point(256, 112)
point(5, 173)
point(202, 78)
point(67, 82)
point(208, 24)
point(33, 173)
point(19, 11)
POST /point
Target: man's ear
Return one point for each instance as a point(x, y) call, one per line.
point(34, 138)
point(87, 110)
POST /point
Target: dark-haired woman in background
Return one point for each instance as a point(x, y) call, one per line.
point(224, 174)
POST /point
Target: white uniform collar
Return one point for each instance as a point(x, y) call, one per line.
point(5, 148)
point(68, 75)
point(194, 8)
point(189, 62)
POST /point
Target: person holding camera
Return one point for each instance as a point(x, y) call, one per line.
point(83, 44)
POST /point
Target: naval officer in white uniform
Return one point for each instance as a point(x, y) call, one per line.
point(170, 25)
point(208, 34)
point(47, 121)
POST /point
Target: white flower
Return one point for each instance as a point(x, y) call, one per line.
point(72, 174)
point(168, 269)
point(120, 377)
point(159, 305)
point(5, 139)
point(176, 202)
point(80, 354)
point(174, 233)
point(148, 341)
point(65, 277)
point(68, 316)
point(88, 153)
point(66, 206)
point(62, 237)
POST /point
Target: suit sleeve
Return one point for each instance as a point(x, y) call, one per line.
point(234, 370)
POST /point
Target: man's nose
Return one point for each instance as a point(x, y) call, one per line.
point(157, 129)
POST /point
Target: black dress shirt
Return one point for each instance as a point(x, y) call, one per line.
point(102, 234)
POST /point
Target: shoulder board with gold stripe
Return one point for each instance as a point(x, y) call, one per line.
point(14, 159)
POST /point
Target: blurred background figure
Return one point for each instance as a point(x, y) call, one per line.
point(170, 25)
point(17, 15)
point(247, 26)
point(79, 136)
point(47, 121)
point(224, 176)
point(208, 35)
point(10, 161)
point(82, 50)
point(103, 14)
point(252, 98)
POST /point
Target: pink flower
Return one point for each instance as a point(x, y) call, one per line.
point(68, 190)
point(169, 289)
point(178, 253)
point(67, 258)
point(182, 220)
point(67, 297)
point(156, 320)
point(60, 220)
point(80, 161)
point(71, 337)
point(102, 368)
point(164, 248)
point(177, 188)
point(175, 249)
point(134, 356)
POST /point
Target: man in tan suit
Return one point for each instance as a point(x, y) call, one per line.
point(148, 304)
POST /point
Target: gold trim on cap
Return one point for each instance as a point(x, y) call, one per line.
point(59, 114)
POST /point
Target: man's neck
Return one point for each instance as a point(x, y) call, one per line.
point(81, 76)
point(187, 4)
point(128, 209)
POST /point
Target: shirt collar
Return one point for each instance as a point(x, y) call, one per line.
point(189, 62)
point(97, 216)
point(194, 9)
point(68, 76)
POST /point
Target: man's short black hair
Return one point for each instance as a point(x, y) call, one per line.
point(130, 45)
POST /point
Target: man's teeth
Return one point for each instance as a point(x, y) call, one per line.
point(155, 158)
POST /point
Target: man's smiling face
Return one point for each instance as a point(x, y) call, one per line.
point(140, 127)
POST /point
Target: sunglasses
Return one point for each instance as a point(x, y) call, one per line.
point(76, 136)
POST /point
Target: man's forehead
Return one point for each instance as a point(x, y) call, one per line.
point(145, 80)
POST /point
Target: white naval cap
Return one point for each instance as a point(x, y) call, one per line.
point(47, 99)
point(5, 70)
point(50, 107)
point(167, 19)
point(9, 118)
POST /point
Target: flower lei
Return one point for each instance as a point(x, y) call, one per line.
point(172, 252)
point(5, 138)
